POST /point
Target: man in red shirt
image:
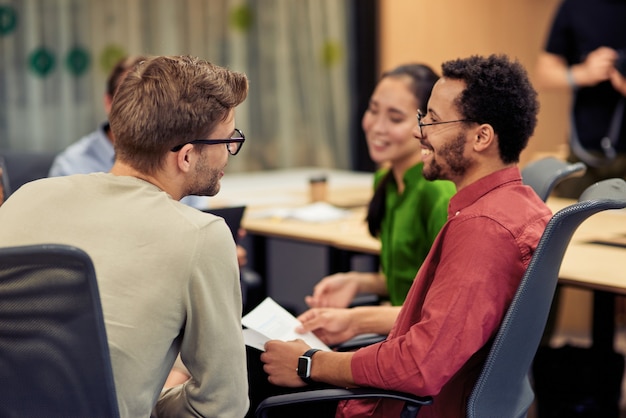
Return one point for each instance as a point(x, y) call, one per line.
point(480, 117)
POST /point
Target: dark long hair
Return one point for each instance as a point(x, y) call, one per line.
point(423, 79)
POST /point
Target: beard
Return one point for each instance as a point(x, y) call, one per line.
point(453, 163)
point(206, 181)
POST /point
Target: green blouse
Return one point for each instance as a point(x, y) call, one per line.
point(412, 221)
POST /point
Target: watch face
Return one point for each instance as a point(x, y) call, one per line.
point(304, 367)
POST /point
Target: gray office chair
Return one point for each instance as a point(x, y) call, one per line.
point(544, 174)
point(503, 388)
point(54, 356)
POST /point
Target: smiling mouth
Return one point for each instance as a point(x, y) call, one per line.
point(426, 149)
point(379, 143)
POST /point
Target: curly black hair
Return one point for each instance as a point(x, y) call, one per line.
point(499, 93)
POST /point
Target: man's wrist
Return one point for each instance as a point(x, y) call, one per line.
point(570, 79)
point(305, 365)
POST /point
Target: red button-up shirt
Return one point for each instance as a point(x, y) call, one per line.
point(460, 295)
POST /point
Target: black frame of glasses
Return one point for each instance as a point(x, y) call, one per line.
point(421, 116)
point(228, 141)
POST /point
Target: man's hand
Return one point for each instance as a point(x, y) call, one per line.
point(281, 362)
point(618, 81)
point(597, 67)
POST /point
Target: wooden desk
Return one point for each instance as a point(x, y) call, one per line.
point(290, 187)
point(591, 265)
point(591, 262)
point(292, 256)
point(349, 233)
point(588, 265)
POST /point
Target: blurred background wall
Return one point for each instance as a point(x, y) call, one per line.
point(312, 64)
point(435, 31)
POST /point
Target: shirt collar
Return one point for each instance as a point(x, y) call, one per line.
point(470, 194)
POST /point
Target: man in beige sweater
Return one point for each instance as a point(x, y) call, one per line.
point(167, 273)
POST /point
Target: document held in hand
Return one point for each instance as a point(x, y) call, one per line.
point(270, 321)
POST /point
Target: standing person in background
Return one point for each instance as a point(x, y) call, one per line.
point(586, 53)
point(167, 273)
point(406, 211)
point(94, 152)
point(481, 114)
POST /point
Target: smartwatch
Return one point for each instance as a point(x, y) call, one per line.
point(304, 365)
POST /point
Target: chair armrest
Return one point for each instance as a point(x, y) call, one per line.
point(359, 341)
point(366, 299)
point(336, 394)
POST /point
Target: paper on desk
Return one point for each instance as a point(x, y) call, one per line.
point(270, 321)
point(315, 212)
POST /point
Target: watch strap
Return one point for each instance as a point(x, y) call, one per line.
point(304, 376)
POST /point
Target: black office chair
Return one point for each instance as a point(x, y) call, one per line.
point(4, 181)
point(54, 356)
point(503, 388)
point(25, 166)
point(252, 290)
point(544, 174)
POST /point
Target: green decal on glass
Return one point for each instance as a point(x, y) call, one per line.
point(110, 55)
point(77, 61)
point(241, 18)
point(332, 53)
point(41, 61)
point(8, 19)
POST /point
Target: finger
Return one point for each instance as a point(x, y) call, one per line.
point(307, 325)
point(310, 301)
point(319, 290)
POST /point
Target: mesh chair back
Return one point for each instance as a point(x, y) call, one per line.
point(54, 357)
point(543, 175)
point(503, 388)
point(4, 181)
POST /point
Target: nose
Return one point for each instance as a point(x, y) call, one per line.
point(417, 132)
point(378, 124)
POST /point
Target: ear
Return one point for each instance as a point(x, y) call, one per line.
point(185, 158)
point(484, 137)
point(108, 101)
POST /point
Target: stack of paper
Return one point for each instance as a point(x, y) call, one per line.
point(270, 321)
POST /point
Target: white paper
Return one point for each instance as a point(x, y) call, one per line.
point(315, 212)
point(272, 321)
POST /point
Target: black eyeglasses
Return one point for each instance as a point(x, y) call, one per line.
point(421, 124)
point(233, 144)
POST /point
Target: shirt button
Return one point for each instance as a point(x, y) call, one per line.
point(458, 212)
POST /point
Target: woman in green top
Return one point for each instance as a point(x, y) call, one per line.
point(406, 211)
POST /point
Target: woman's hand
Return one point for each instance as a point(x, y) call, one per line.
point(334, 291)
point(331, 325)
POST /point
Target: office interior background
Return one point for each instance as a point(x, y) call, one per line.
point(312, 64)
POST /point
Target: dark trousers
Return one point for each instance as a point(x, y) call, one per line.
point(260, 388)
